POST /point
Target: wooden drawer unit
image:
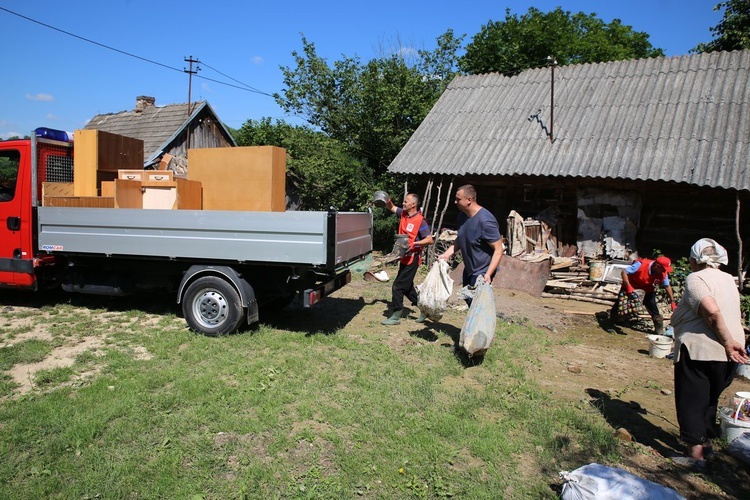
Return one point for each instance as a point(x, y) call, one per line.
point(146, 175)
point(152, 194)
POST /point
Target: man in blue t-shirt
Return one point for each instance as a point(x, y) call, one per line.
point(478, 238)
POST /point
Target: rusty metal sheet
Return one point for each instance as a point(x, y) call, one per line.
point(516, 274)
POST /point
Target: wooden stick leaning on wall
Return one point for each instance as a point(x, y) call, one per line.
point(437, 206)
point(431, 250)
point(426, 198)
point(447, 203)
point(740, 281)
point(442, 215)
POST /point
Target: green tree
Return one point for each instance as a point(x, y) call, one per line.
point(518, 43)
point(733, 31)
point(321, 171)
point(374, 107)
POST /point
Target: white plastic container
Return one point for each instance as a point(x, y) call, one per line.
point(659, 346)
point(731, 427)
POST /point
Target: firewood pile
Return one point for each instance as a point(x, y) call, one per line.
point(573, 282)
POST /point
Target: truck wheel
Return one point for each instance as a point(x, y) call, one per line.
point(212, 306)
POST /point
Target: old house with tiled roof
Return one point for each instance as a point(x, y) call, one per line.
point(170, 129)
point(620, 156)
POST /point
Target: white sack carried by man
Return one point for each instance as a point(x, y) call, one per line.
point(435, 291)
point(478, 330)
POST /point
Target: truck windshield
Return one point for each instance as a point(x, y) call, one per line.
point(9, 161)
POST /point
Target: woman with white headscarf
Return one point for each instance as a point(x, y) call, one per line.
point(710, 341)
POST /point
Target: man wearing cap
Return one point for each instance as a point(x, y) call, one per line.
point(645, 274)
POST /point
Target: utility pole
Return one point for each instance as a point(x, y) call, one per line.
point(190, 73)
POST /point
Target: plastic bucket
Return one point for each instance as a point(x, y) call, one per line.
point(596, 270)
point(659, 346)
point(732, 428)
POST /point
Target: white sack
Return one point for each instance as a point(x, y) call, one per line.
point(739, 448)
point(599, 482)
point(435, 291)
point(478, 330)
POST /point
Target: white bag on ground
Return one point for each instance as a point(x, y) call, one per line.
point(739, 448)
point(599, 482)
point(479, 325)
point(435, 291)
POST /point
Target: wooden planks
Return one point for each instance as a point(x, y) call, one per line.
point(79, 201)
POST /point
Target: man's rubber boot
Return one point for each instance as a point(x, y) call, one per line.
point(395, 318)
point(422, 317)
point(659, 325)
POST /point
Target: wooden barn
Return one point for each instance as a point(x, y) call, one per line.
point(618, 157)
point(170, 129)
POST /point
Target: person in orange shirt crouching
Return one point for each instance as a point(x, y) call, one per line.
point(645, 274)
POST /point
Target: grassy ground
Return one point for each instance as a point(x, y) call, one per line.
point(321, 403)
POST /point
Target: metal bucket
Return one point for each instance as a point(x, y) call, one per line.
point(380, 199)
point(401, 245)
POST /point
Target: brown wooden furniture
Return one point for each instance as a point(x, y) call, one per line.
point(243, 178)
point(98, 155)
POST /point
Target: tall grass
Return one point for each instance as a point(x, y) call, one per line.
point(311, 404)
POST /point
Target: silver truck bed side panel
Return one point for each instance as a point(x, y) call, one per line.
point(353, 236)
point(273, 237)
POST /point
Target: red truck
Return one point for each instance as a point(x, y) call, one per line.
point(220, 265)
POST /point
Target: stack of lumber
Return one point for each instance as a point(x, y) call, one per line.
point(574, 283)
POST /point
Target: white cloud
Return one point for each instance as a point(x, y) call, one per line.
point(206, 87)
point(257, 60)
point(5, 135)
point(50, 116)
point(40, 97)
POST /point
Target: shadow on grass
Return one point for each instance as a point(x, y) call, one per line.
point(151, 302)
point(326, 317)
point(631, 416)
point(431, 332)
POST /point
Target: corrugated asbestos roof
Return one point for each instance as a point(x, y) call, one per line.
point(682, 119)
point(156, 126)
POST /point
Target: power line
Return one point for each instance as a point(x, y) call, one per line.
point(89, 41)
point(248, 87)
point(244, 87)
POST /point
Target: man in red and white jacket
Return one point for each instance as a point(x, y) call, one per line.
point(645, 274)
point(415, 226)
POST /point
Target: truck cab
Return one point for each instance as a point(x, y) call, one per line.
point(20, 189)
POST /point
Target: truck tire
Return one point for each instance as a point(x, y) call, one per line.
point(212, 306)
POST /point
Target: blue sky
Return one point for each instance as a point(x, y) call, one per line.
point(56, 80)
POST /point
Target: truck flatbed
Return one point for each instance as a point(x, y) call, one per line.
point(297, 238)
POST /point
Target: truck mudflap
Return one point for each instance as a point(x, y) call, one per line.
point(311, 296)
